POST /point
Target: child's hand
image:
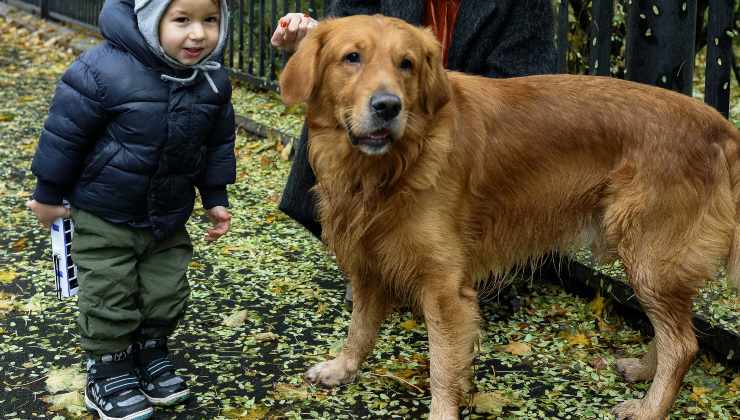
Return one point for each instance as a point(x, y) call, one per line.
point(47, 213)
point(221, 222)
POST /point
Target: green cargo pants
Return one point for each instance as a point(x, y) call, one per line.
point(131, 286)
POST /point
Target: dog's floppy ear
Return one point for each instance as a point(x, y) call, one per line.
point(298, 78)
point(434, 85)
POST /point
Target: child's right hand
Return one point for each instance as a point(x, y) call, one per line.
point(47, 213)
point(291, 29)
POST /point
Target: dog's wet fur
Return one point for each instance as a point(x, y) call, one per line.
point(428, 181)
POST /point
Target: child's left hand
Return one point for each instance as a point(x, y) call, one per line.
point(221, 222)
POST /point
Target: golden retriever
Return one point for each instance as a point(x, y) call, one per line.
point(428, 181)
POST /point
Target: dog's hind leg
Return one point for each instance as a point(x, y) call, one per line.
point(370, 307)
point(642, 369)
point(452, 319)
point(675, 345)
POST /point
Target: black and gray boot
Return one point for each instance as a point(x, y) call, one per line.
point(159, 382)
point(112, 389)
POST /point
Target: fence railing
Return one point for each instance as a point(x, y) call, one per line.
point(658, 46)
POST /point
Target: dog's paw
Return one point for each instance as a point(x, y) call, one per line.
point(330, 373)
point(632, 410)
point(633, 370)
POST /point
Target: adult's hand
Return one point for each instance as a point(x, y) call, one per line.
point(291, 29)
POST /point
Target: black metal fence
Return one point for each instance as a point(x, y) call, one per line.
point(79, 12)
point(652, 41)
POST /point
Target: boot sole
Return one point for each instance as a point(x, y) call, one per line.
point(141, 415)
point(169, 400)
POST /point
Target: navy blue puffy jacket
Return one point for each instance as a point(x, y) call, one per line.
point(125, 145)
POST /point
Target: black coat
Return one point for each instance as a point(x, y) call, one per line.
point(129, 147)
point(494, 38)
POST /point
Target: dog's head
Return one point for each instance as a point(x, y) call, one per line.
point(377, 77)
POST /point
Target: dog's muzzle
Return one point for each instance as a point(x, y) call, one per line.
point(385, 108)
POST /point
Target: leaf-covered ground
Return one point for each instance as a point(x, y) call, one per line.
point(267, 303)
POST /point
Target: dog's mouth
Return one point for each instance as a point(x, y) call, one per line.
point(376, 142)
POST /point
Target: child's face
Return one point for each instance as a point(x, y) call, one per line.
point(189, 29)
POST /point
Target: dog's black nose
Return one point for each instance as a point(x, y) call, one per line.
point(385, 105)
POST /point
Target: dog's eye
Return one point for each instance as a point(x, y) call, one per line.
point(352, 57)
point(406, 64)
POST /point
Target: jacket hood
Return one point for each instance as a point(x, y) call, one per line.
point(120, 26)
point(148, 16)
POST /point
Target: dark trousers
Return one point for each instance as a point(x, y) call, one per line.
point(298, 200)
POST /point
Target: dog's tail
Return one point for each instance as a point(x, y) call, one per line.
point(732, 153)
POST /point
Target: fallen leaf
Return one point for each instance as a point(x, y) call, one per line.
point(265, 161)
point(287, 150)
point(698, 392)
point(258, 412)
point(597, 306)
point(236, 319)
point(576, 339)
point(7, 302)
point(408, 325)
point(6, 277)
point(265, 336)
point(735, 384)
point(599, 363)
point(65, 379)
point(35, 303)
point(20, 244)
point(290, 392)
point(70, 402)
point(490, 402)
point(518, 348)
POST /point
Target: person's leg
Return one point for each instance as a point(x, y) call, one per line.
point(299, 202)
point(106, 258)
point(163, 300)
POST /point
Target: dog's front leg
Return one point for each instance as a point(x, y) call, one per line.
point(370, 307)
point(452, 318)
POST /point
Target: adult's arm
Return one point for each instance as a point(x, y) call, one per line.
point(525, 44)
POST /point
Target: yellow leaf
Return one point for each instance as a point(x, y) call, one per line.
point(65, 379)
point(20, 244)
point(518, 348)
point(408, 325)
point(698, 392)
point(69, 401)
point(7, 302)
point(577, 339)
point(5, 117)
point(321, 308)
point(735, 384)
point(265, 161)
point(597, 306)
point(258, 412)
point(35, 303)
point(290, 392)
point(196, 265)
point(266, 336)
point(236, 319)
point(7, 277)
point(490, 402)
